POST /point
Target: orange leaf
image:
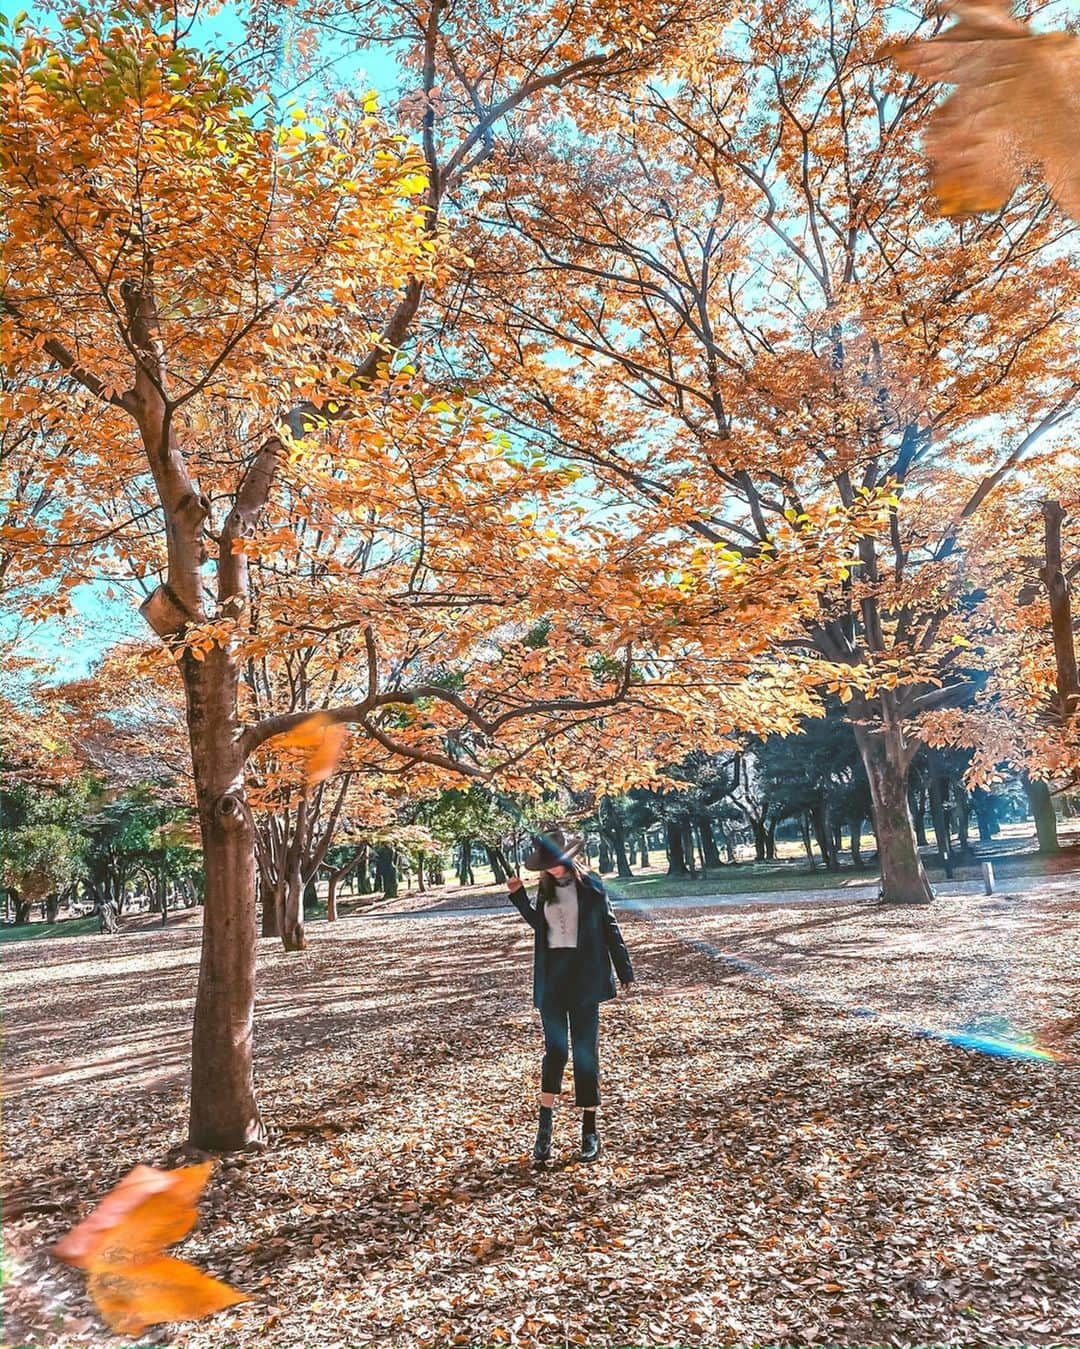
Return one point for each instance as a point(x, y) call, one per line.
point(321, 740)
point(120, 1245)
point(153, 1292)
point(148, 1210)
point(1017, 101)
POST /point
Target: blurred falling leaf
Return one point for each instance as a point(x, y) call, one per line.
point(153, 1208)
point(120, 1245)
point(321, 740)
point(1017, 103)
point(157, 1292)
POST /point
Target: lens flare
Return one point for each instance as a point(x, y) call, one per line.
point(1002, 1049)
point(1001, 1038)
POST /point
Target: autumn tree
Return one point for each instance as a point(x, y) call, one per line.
point(90, 810)
point(171, 255)
point(210, 309)
point(1025, 717)
point(764, 337)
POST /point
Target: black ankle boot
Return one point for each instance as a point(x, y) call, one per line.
point(590, 1142)
point(542, 1146)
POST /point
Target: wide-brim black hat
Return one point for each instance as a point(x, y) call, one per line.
point(553, 848)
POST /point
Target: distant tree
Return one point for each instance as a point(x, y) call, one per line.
point(43, 849)
point(817, 778)
point(751, 798)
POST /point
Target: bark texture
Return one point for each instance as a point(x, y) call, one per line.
point(887, 759)
point(1042, 808)
point(224, 1115)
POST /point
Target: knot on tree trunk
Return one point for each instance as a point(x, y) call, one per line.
point(229, 811)
point(193, 508)
point(165, 612)
point(193, 511)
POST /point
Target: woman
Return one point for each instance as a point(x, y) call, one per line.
point(577, 940)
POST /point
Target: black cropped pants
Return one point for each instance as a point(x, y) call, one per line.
point(569, 1026)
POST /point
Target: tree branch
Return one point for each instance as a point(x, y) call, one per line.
point(53, 347)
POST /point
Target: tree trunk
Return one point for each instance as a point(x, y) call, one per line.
point(504, 862)
point(268, 904)
point(386, 878)
point(985, 809)
point(760, 840)
point(856, 825)
point(1053, 575)
point(291, 913)
point(336, 876)
point(291, 894)
point(804, 829)
point(224, 1115)
point(643, 852)
point(710, 853)
point(618, 847)
point(676, 858)
point(886, 760)
point(939, 818)
point(963, 821)
point(770, 841)
point(22, 911)
point(604, 863)
point(362, 882)
point(688, 846)
point(1042, 808)
point(917, 803)
point(823, 835)
point(495, 861)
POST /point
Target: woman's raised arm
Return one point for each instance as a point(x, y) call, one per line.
point(519, 897)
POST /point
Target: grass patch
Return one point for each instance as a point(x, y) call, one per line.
point(744, 878)
point(63, 927)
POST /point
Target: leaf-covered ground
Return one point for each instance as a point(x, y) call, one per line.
point(776, 1169)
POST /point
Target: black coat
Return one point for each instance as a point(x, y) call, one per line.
point(600, 943)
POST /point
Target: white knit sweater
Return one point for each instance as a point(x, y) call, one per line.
point(562, 913)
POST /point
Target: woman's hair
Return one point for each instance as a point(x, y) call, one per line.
point(546, 888)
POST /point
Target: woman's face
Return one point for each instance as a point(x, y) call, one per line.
point(558, 871)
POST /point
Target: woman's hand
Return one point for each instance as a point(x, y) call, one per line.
point(515, 883)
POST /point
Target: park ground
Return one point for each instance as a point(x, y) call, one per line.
point(779, 1167)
